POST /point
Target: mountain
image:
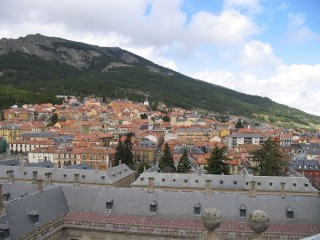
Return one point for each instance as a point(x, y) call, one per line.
point(38, 67)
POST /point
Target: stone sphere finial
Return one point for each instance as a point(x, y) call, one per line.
point(258, 221)
point(211, 218)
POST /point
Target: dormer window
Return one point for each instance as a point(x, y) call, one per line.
point(289, 212)
point(153, 206)
point(197, 208)
point(235, 182)
point(163, 179)
point(221, 182)
point(185, 180)
point(109, 203)
point(174, 180)
point(6, 195)
point(243, 211)
point(34, 215)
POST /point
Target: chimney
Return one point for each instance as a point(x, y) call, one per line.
point(208, 187)
point(40, 185)
point(253, 189)
point(76, 182)
point(2, 210)
point(282, 189)
point(10, 176)
point(34, 177)
point(150, 184)
point(119, 162)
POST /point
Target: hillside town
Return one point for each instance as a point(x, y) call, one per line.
point(87, 133)
point(62, 176)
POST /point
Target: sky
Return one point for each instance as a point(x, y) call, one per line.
point(269, 48)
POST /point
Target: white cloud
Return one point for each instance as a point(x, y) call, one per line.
point(229, 27)
point(298, 31)
point(253, 6)
point(257, 56)
point(293, 85)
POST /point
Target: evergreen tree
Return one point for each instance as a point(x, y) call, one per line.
point(184, 165)
point(127, 151)
point(217, 162)
point(166, 163)
point(119, 152)
point(143, 165)
point(166, 118)
point(269, 160)
point(239, 124)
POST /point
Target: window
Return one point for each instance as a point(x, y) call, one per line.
point(243, 211)
point(289, 212)
point(185, 180)
point(163, 179)
point(174, 180)
point(235, 182)
point(270, 184)
point(109, 203)
point(196, 180)
point(221, 182)
point(153, 206)
point(197, 208)
point(34, 215)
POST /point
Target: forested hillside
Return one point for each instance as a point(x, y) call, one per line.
point(36, 68)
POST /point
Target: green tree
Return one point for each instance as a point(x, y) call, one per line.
point(53, 119)
point(217, 162)
point(143, 165)
point(166, 163)
point(144, 116)
point(166, 118)
point(184, 165)
point(269, 160)
point(239, 124)
point(119, 152)
point(127, 151)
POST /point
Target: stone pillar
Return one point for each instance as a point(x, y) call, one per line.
point(10, 176)
point(40, 185)
point(34, 177)
point(76, 181)
point(211, 220)
point(258, 222)
point(150, 185)
point(253, 189)
point(283, 191)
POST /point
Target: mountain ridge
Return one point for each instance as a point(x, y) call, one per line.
point(54, 66)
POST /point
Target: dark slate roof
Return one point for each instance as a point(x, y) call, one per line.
point(49, 205)
point(17, 189)
point(178, 204)
point(224, 182)
point(191, 150)
point(9, 127)
point(313, 151)
point(305, 165)
point(83, 166)
point(246, 135)
point(66, 176)
point(9, 163)
point(44, 164)
point(40, 135)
